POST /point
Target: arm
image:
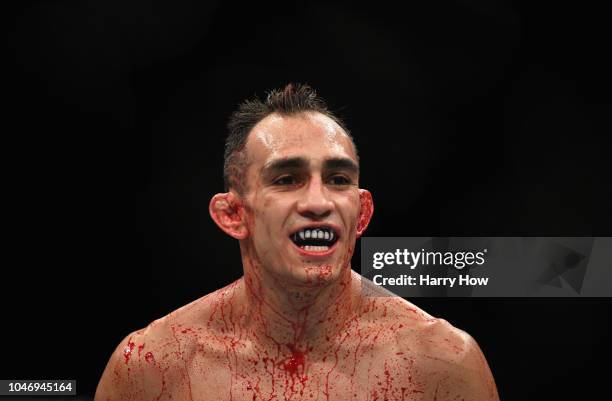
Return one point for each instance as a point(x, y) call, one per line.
point(123, 377)
point(471, 378)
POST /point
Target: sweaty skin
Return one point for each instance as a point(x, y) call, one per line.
point(299, 325)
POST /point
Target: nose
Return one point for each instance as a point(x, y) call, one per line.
point(315, 203)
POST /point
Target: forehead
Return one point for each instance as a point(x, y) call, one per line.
point(309, 135)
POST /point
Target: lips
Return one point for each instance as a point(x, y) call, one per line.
point(315, 239)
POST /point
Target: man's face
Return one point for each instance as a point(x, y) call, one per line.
point(302, 198)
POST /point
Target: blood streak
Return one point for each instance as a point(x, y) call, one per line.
point(127, 351)
point(296, 360)
point(250, 350)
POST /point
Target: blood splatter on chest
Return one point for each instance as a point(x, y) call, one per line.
point(348, 368)
point(220, 358)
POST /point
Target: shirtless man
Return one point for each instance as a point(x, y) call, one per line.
point(300, 324)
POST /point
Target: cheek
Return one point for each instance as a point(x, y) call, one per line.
point(351, 207)
point(268, 202)
point(275, 210)
point(248, 214)
point(267, 225)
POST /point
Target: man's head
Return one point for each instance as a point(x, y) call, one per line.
point(293, 199)
point(291, 101)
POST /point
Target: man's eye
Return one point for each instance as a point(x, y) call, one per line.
point(339, 180)
point(285, 180)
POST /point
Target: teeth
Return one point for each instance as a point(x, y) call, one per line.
point(317, 233)
point(313, 248)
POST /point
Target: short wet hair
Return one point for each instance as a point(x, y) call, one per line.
point(292, 99)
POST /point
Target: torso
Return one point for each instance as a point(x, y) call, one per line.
point(390, 350)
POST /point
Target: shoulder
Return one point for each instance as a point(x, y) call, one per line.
point(149, 360)
point(449, 359)
point(420, 331)
point(381, 306)
point(452, 360)
point(183, 331)
point(438, 340)
point(132, 370)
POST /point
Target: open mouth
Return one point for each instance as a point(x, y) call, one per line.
point(315, 239)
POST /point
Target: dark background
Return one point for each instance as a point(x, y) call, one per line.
point(472, 118)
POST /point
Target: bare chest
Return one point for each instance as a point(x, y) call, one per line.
point(353, 372)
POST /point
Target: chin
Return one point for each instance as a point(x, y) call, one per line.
point(314, 275)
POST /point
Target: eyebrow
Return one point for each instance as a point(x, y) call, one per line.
point(285, 164)
point(335, 163)
point(341, 163)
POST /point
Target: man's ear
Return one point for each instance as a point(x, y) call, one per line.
point(228, 212)
point(365, 214)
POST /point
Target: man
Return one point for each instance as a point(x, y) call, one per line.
point(300, 324)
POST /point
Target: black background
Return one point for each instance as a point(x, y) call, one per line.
point(472, 118)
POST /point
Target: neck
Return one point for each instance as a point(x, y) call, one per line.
point(298, 316)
